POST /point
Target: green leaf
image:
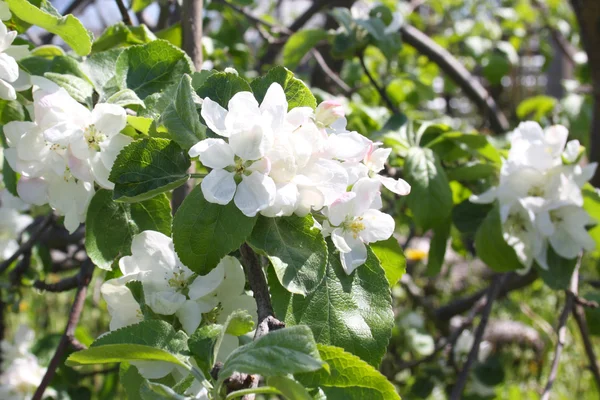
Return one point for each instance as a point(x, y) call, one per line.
point(114, 353)
point(350, 311)
point(100, 68)
point(172, 34)
point(121, 35)
point(296, 92)
point(151, 68)
point(156, 391)
point(472, 172)
point(205, 232)
point(131, 380)
point(148, 167)
point(221, 87)
point(437, 249)
point(299, 44)
point(350, 378)
point(430, 198)
point(202, 346)
point(491, 247)
point(124, 98)
point(78, 88)
point(48, 51)
point(559, 272)
point(206, 341)
point(140, 5)
point(392, 259)
point(467, 216)
point(181, 119)
point(290, 388)
point(536, 107)
point(69, 28)
point(591, 204)
point(154, 333)
point(592, 315)
point(295, 248)
point(473, 145)
point(284, 351)
point(110, 226)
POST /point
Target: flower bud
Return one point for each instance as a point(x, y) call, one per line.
point(328, 112)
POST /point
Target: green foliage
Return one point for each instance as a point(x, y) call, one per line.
point(151, 68)
point(148, 167)
point(78, 88)
point(69, 28)
point(437, 249)
point(121, 35)
point(110, 226)
point(430, 198)
point(296, 91)
point(536, 107)
point(559, 272)
point(299, 44)
point(131, 380)
point(392, 259)
point(221, 86)
point(343, 307)
point(290, 388)
point(205, 232)
point(349, 377)
point(296, 249)
point(113, 353)
point(491, 247)
point(467, 216)
point(125, 98)
point(284, 351)
point(180, 118)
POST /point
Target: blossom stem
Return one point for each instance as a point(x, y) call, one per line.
point(197, 176)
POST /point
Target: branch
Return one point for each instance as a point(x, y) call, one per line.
point(27, 246)
point(565, 46)
point(380, 89)
point(579, 315)
point(191, 24)
point(561, 331)
point(493, 293)
point(459, 74)
point(124, 13)
point(61, 286)
point(85, 275)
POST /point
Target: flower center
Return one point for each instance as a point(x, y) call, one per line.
point(555, 217)
point(93, 137)
point(178, 280)
point(354, 225)
point(516, 223)
point(536, 191)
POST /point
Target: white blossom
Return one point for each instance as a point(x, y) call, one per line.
point(12, 78)
point(12, 223)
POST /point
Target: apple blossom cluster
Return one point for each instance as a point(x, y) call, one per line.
point(172, 289)
point(21, 371)
point(539, 195)
point(12, 78)
point(278, 162)
point(64, 150)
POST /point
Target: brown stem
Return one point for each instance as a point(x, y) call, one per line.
point(85, 275)
point(191, 23)
point(579, 315)
point(459, 74)
point(379, 89)
point(561, 331)
point(493, 292)
point(124, 13)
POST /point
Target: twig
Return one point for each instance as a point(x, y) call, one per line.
point(563, 43)
point(380, 90)
point(61, 286)
point(124, 13)
point(586, 303)
point(561, 331)
point(458, 73)
point(85, 275)
point(27, 246)
point(332, 75)
point(579, 315)
point(493, 292)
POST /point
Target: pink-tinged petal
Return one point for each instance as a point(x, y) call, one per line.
point(398, 186)
point(329, 111)
point(255, 193)
point(330, 177)
point(218, 186)
point(213, 153)
point(109, 119)
point(377, 226)
point(377, 158)
point(80, 168)
point(368, 195)
point(33, 191)
point(355, 258)
point(214, 115)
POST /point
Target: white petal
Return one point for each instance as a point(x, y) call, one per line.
point(213, 153)
point(376, 160)
point(242, 105)
point(378, 226)
point(349, 146)
point(80, 168)
point(110, 149)
point(214, 115)
point(255, 193)
point(556, 137)
point(165, 303)
point(206, 284)
point(367, 195)
point(341, 208)
point(251, 143)
point(218, 186)
point(355, 258)
point(230, 304)
point(109, 119)
point(7, 91)
point(275, 105)
point(338, 239)
point(398, 186)
point(489, 196)
point(33, 190)
point(571, 152)
point(9, 69)
point(228, 345)
point(190, 316)
point(101, 173)
point(234, 279)
point(153, 369)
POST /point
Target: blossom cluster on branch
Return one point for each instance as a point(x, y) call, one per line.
point(539, 195)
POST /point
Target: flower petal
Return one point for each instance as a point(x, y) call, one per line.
point(190, 316)
point(109, 119)
point(214, 115)
point(218, 186)
point(204, 285)
point(213, 153)
point(398, 186)
point(378, 226)
point(255, 193)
